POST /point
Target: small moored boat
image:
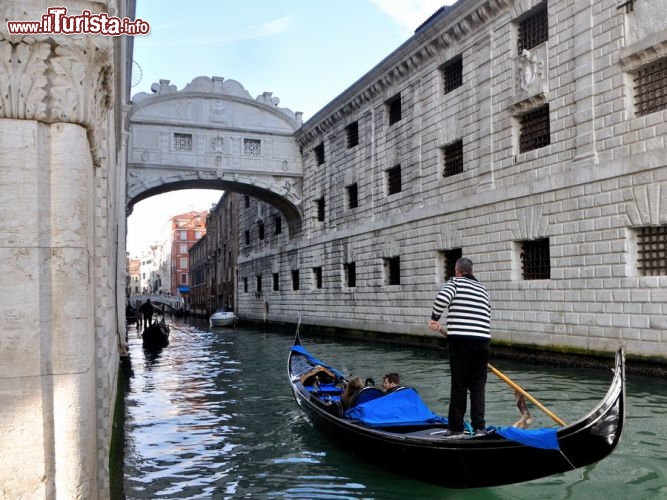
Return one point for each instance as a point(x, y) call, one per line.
point(222, 318)
point(397, 431)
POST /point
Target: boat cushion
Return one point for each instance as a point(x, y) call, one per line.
point(402, 407)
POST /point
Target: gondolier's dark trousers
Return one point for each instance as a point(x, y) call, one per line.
point(468, 365)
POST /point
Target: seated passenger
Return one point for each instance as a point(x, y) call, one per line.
point(350, 390)
point(390, 381)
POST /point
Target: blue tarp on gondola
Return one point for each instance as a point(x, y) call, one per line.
point(401, 407)
point(547, 439)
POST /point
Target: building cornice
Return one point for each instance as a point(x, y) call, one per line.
point(449, 28)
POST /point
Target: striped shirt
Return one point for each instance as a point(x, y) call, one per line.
point(469, 314)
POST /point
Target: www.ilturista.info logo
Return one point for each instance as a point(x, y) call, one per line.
point(57, 22)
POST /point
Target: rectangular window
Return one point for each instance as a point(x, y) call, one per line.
point(184, 248)
point(295, 279)
point(184, 263)
point(393, 180)
point(246, 234)
point(452, 74)
point(449, 258)
point(276, 282)
point(394, 109)
point(246, 201)
point(184, 279)
point(350, 271)
point(182, 142)
point(252, 147)
point(534, 29)
point(535, 263)
point(245, 285)
point(352, 134)
point(453, 158)
point(317, 276)
point(183, 235)
point(352, 196)
point(535, 129)
point(260, 230)
point(652, 250)
point(319, 206)
point(392, 267)
point(651, 87)
point(319, 154)
point(259, 283)
point(278, 224)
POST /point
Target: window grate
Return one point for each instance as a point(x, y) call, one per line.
point(320, 209)
point(535, 129)
point(276, 282)
point(394, 107)
point(453, 158)
point(350, 274)
point(319, 154)
point(278, 225)
point(651, 87)
point(450, 257)
point(452, 75)
point(535, 260)
point(183, 142)
point(352, 196)
point(652, 250)
point(295, 279)
point(393, 267)
point(252, 147)
point(260, 230)
point(317, 274)
point(394, 180)
point(533, 30)
point(352, 133)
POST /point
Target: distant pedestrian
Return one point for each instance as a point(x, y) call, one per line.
point(146, 310)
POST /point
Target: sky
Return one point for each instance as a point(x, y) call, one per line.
point(306, 52)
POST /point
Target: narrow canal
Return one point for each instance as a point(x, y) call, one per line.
point(212, 416)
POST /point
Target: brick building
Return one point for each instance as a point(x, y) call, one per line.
point(185, 230)
point(526, 135)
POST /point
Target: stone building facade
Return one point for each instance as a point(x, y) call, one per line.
point(527, 135)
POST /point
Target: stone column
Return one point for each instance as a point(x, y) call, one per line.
point(55, 95)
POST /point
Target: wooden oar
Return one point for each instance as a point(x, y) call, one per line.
point(517, 388)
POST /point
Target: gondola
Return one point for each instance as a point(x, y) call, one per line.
point(156, 335)
point(405, 437)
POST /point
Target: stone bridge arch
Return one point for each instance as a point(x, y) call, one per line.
point(213, 135)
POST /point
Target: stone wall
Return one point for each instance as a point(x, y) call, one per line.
point(62, 186)
point(589, 191)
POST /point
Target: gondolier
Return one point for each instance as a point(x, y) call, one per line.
point(468, 331)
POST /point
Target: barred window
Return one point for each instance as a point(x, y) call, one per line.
point(535, 262)
point(449, 258)
point(352, 134)
point(392, 267)
point(394, 109)
point(252, 147)
point(317, 276)
point(352, 195)
point(319, 205)
point(652, 250)
point(183, 142)
point(319, 154)
point(533, 30)
point(535, 129)
point(276, 282)
point(247, 237)
point(453, 158)
point(260, 230)
point(295, 279)
point(350, 270)
point(245, 285)
point(246, 201)
point(259, 283)
point(394, 180)
point(452, 74)
point(278, 224)
point(651, 87)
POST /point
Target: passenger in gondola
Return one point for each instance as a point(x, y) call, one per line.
point(349, 391)
point(390, 381)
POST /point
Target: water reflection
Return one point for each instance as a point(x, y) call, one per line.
point(212, 416)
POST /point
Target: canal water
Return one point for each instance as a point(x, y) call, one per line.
point(212, 416)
